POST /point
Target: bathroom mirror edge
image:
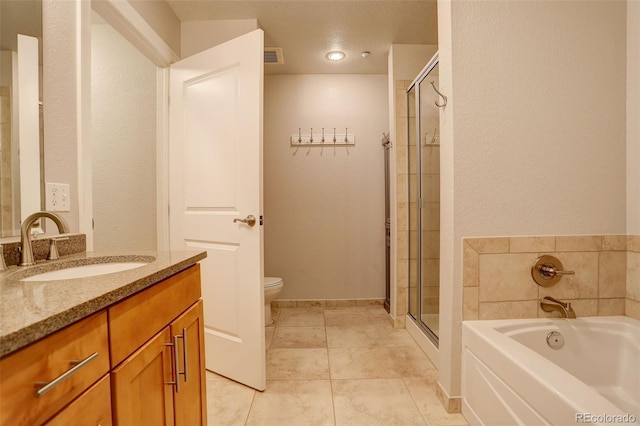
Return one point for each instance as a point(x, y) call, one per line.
point(20, 196)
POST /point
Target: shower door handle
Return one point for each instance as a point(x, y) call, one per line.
point(249, 220)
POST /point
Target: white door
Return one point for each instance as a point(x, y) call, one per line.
point(215, 177)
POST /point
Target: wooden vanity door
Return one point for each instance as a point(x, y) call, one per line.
point(142, 393)
point(191, 398)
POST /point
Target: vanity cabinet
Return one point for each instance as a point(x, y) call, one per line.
point(93, 407)
point(55, 356)
point(149, 367)
point(157, 354)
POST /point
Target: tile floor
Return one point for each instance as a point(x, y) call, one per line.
point(334, 366)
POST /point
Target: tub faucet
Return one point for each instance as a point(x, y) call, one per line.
point(26, 256)
point(549, 304)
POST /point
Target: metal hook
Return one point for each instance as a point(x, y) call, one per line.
point(311, 138)
point(334, 135)
point(299, 135)
point(322, 140)
point(346, 135)
point(443, 96)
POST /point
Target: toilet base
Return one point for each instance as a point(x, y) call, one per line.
point(267, 315)
point(272, 288)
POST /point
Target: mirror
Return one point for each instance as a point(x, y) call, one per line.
point(21, 117)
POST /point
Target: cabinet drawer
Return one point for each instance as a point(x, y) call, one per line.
point(92, 408)
point(136, 319)
point(53, 357)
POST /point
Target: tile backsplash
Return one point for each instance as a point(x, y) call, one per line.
point(498, 283)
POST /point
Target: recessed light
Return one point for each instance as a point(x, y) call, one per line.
point(336, 55)
point(365, 54)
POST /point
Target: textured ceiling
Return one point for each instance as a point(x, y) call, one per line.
point(307, 30)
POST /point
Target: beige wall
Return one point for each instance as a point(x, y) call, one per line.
point(123, 136)
point(324, 208)
point(200, 35)
point(61, 91)
point(533, 139)
point(161, 18)
point(633, 112)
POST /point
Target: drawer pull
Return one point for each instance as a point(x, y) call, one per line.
point(44, 387)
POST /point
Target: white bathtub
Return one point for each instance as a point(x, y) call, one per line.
point(510, 375)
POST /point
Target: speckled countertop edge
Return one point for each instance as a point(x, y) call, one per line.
point(32, 310)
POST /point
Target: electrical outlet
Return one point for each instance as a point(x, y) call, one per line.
point(57, 197)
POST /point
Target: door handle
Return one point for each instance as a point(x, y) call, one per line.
point(249, 220)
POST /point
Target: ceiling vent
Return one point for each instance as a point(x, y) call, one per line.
point(273, 55)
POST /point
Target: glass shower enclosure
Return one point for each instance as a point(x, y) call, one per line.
point(424, 200)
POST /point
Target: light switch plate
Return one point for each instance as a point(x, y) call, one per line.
point(57, 197)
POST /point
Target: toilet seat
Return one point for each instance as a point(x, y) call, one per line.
point(272, 282)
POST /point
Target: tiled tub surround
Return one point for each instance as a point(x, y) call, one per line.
point(498, 284)
point(32, 310)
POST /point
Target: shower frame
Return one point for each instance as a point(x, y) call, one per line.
point(416, 272)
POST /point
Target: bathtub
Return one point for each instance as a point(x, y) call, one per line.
point(511, 375)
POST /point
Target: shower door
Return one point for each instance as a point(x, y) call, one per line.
point(424, 200)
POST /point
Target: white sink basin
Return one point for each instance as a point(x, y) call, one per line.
point(84, 271)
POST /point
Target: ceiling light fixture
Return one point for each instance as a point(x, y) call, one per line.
point(335, 55)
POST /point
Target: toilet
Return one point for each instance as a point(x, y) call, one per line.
point(272, 287)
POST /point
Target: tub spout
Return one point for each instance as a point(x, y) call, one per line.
point(549, 304)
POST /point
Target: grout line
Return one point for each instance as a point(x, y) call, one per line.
point(253, 398)
point(326, 341)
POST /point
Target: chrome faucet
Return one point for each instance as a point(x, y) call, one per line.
point(26, 257)
point(549, 304)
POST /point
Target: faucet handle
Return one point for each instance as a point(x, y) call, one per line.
point(53, 248)
point(547, 271)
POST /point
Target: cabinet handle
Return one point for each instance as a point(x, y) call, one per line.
point(44, 387)
point(184, 350)
point(176, 369)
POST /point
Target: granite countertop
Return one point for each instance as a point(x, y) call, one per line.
point(30, 310)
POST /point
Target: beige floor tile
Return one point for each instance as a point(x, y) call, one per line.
point(297, 364)
point(366, 336)
point(364, 316)
point(424, 394)
point(275, 314)
point(268, 336)
point(374, 402)
point(299, 337)
point(378, 375)
point(293, 403)
point(379, 362)
point(228, 402)
point(300, 317)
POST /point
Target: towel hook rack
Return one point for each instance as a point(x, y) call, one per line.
point(439, 93)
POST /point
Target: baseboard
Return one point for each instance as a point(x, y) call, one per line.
point(326, 303)
point(451, 404)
